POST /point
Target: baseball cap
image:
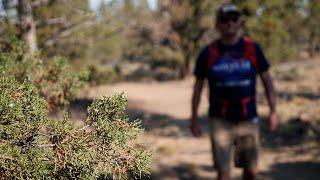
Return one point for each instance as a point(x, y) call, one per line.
point(226, 9)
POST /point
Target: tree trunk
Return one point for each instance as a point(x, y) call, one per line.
point(187, 64)
point(185, 67)
point(312, 45)
point(27, 24)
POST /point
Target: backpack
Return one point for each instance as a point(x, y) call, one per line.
point(250, 54)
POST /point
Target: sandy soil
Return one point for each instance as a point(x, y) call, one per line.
point(164, 108)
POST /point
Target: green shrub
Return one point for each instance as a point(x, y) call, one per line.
point(53, 77)
point(23, 113)
point(35, 147)
point(166, 57)
point(116, 149)
point(99, 76)
point(57, 83)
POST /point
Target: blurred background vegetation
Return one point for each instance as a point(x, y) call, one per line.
point(140, 39)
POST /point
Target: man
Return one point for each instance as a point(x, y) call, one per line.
point(230, 64)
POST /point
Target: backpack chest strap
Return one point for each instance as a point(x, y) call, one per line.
point(249, 52)
point(243, 102)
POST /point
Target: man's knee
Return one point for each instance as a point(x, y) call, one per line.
point(250, 174)
point(222, 175)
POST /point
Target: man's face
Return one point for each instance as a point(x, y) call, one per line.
point(229, 24)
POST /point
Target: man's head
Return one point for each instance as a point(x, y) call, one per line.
point(228, 20)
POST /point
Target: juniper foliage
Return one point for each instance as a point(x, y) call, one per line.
point(32, 146)
point(53, 78)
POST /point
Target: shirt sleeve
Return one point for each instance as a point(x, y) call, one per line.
point(200, 70)
point(262, 62)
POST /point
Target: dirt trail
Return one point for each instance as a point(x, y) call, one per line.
point(165, 109)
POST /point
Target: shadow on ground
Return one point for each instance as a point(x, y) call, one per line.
point(182, 172)
point(165, 125)
point(293, 171)
point(160, 124)
point(290, 134)
point(294, 132)
point(288, 96)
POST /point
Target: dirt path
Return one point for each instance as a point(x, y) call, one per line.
point(165, 109)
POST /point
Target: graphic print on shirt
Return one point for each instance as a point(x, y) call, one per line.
point(230, 72)
point(232, 81)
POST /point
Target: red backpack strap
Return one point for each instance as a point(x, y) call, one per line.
point(213, 53)
point(250, 51)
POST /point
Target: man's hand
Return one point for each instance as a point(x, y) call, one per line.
point(273, 121)
point(269, 89)
point(195, 128)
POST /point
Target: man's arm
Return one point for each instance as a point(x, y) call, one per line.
point(270, 93)
point(197, 90)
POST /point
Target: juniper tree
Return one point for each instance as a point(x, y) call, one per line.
point(33, 146)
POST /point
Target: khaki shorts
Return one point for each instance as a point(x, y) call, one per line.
point(240, 140)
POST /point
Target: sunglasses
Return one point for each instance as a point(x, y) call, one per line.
point(225, 19)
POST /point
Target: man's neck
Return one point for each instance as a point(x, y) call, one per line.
point(230, 40)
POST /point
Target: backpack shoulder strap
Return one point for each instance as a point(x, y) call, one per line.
point(250, 51)
point(213, 53)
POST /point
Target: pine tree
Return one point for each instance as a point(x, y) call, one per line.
point(190, 20)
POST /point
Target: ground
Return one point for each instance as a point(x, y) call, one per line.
point(293, 152)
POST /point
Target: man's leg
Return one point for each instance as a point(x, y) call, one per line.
point(247, 149)
point(221, 140)
point(249, 174)
point(223, 175)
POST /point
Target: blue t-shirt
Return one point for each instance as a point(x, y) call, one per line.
point(232, 80)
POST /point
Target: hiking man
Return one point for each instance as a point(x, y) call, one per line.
point(230, 64)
